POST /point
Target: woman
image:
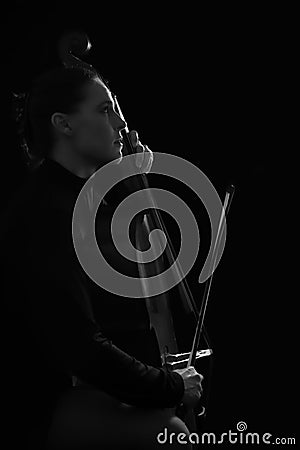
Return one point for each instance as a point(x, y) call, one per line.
point(119, 400)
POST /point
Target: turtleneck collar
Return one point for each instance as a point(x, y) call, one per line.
point(60, 174)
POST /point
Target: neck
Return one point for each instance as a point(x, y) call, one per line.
point(71, 161)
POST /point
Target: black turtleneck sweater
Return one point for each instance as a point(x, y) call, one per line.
point(57, 323)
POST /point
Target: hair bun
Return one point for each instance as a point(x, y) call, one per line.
point(19, 107)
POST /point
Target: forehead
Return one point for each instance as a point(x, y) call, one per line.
point(97, 92)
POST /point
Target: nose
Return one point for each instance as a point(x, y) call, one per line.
point(119, 123)
point(122, 125)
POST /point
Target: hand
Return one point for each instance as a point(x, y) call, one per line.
point(192, 386)
point(144, 156)
point(143, 161)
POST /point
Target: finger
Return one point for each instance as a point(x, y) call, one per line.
point(149, 157)
point(140, 155)
point(147, 160)
point(134, 138)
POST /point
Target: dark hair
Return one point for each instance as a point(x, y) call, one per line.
point(58, 90)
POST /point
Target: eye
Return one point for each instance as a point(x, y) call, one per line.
point(105, 110)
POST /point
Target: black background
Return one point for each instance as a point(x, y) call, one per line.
point(202, 85)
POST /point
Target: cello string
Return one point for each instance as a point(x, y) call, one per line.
point(155, 217)
point(170, 252)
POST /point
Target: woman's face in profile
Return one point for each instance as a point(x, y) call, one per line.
point(96, 126)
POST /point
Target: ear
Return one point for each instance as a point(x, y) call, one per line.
point(61, 123)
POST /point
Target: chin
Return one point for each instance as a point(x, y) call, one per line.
point(118, 158)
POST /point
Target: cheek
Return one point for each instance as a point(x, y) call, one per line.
point(98, 128)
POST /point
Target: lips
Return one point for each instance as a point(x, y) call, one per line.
point(118, 142)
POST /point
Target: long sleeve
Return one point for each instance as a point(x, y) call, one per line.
point(76, 344)
point(58, 311)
